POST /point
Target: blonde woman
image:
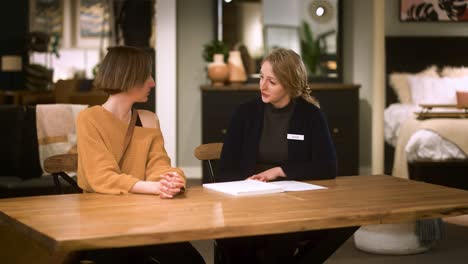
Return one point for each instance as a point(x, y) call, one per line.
point(144, 168)
point(283, 135)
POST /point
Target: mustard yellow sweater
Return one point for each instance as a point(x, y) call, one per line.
point(100, 144)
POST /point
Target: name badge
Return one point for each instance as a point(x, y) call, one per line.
point(295, 137)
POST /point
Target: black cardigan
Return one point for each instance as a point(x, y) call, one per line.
point(313, 158)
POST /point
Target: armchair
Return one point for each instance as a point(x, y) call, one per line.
point(21, 173)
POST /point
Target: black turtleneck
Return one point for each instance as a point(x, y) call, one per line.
point(273, 147)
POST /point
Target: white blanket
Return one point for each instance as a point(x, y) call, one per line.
point(424, 144)
point(56, 132)
point(451, 129)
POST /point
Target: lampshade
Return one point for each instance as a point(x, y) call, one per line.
point(11, 63)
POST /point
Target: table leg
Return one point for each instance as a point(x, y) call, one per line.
point(15, 247)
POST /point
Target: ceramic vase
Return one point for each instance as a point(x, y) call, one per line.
point(236, 67)
point(218, 71)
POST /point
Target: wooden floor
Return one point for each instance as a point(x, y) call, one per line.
point(453, 249)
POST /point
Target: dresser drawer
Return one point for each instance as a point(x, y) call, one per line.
point(217, 108)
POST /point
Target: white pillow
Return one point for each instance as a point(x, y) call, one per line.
point(461, 84)
point(448, 71)
point(399, 82)
point(429, 90)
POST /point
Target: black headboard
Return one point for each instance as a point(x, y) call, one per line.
point(413, 54)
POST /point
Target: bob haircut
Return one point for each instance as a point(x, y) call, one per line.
point(123, 68)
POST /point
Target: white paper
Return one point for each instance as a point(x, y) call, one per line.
point(246, 187)
point(254, 187)
point(295, 186)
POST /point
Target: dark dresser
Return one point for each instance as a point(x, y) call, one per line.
point(339, 102)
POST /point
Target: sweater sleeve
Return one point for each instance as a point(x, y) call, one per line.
point(322, 163)
point(158, 160)
point(229, 164)
point(99, 166)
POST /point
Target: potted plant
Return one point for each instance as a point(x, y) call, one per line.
point(310, 49)
point(215, 53)
point(215, 47)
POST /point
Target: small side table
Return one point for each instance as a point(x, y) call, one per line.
point(453, 111)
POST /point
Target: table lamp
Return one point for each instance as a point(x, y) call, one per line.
point(11, 64)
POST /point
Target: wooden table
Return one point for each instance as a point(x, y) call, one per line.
point(26, 97)
point(58, 225)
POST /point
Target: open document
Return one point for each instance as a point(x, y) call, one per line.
point(254, 187)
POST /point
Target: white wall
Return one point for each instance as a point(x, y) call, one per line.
point(166, 72)
point(251, 27)
point(280, 12)
point(195, 27)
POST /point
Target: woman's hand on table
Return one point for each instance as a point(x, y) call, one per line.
point(269, 175)
point(171, 184)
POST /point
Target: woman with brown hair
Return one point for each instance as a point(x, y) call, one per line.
point(281, 136)
point(106, 166)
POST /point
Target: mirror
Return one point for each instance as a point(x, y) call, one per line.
point(312, 28)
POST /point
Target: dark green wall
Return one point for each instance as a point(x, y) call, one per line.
point(14, 26)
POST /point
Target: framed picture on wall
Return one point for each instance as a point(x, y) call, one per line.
point(46, 17)
point(92, 23)
point(433, 11)
point(281, 37)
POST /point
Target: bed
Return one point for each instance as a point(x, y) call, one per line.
point(430, 157)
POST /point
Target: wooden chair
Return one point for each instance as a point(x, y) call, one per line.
point(209, 152)
point(59, 165)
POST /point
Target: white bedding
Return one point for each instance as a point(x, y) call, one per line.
point(423, 144)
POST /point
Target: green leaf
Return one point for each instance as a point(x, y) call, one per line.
point(214, 47)
point(310, 48)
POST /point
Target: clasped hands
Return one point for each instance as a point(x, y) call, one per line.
point(171, 184)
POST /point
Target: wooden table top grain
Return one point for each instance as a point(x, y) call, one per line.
point(65, 223)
